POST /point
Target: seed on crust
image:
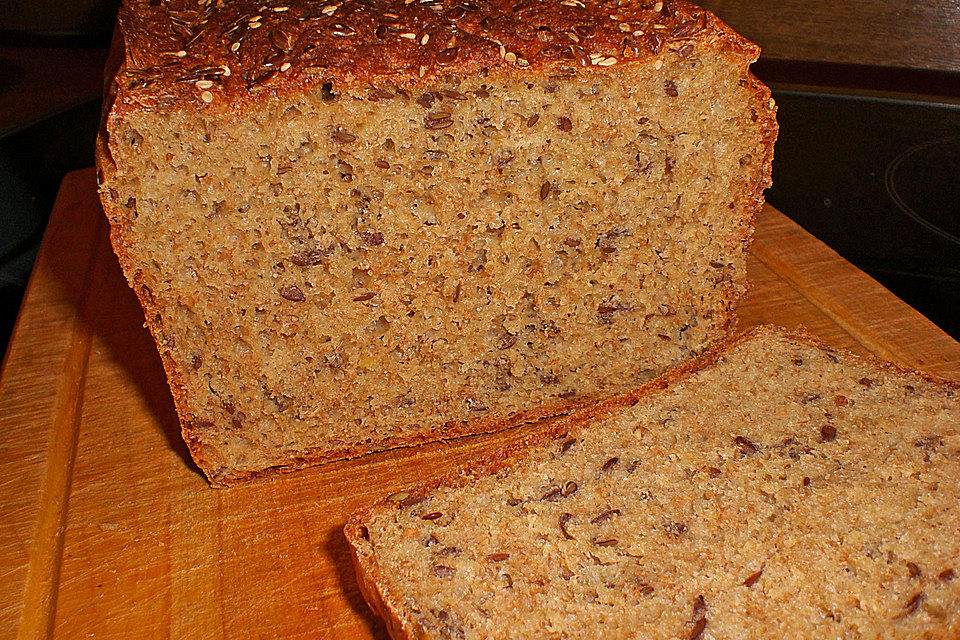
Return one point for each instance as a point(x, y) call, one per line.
point(448, 55)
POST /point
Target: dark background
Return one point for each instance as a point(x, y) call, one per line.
point(868, 158)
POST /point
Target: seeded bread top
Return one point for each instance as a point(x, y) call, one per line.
point(183, 53)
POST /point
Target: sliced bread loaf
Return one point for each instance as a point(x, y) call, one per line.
point(347, 218)
point(773, 488)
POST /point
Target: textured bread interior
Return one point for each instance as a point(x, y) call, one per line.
point(784, 492)
point(336, 270)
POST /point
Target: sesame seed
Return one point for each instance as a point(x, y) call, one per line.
point(255, 25)
point(510, 57)
point(226, 71)
point(206, 96)
point(625, 26)
point(658, 64)
point(181, 53)
point(329, 11)
point(658, 7)
point(284, 67)
point(281, 9)
point(637, 33)
point(595, 56)
point(409, 36)
point(235, 47)
point(425, 39)
point(606, 62)
point(204, 84)
point(503, 52)
point(423, 71)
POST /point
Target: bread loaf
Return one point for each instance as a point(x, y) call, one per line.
point(773, 488)
point(355, 225)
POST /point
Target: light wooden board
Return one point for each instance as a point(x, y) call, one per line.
point(108, 529)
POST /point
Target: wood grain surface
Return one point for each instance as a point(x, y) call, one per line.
point(923, 34)
point(108, 529)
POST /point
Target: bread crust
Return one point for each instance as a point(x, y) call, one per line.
point(182, 56)
point(244, 52)
point(371, 579)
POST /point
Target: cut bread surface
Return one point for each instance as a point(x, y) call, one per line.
point(331, 264)
point(773, 489)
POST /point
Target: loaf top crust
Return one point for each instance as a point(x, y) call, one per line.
point(225, 55)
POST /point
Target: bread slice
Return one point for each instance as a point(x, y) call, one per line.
point(345, 219)
point(773, 488)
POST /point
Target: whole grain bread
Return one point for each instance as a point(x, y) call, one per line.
point(346, 218)
point(772, 488)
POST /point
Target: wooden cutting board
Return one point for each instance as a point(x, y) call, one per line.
point(109, 531)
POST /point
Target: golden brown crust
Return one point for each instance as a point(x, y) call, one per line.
point(182, 54)
point(376, 595)
point(371, 579)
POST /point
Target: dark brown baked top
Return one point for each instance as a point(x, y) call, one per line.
point(181, 52)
